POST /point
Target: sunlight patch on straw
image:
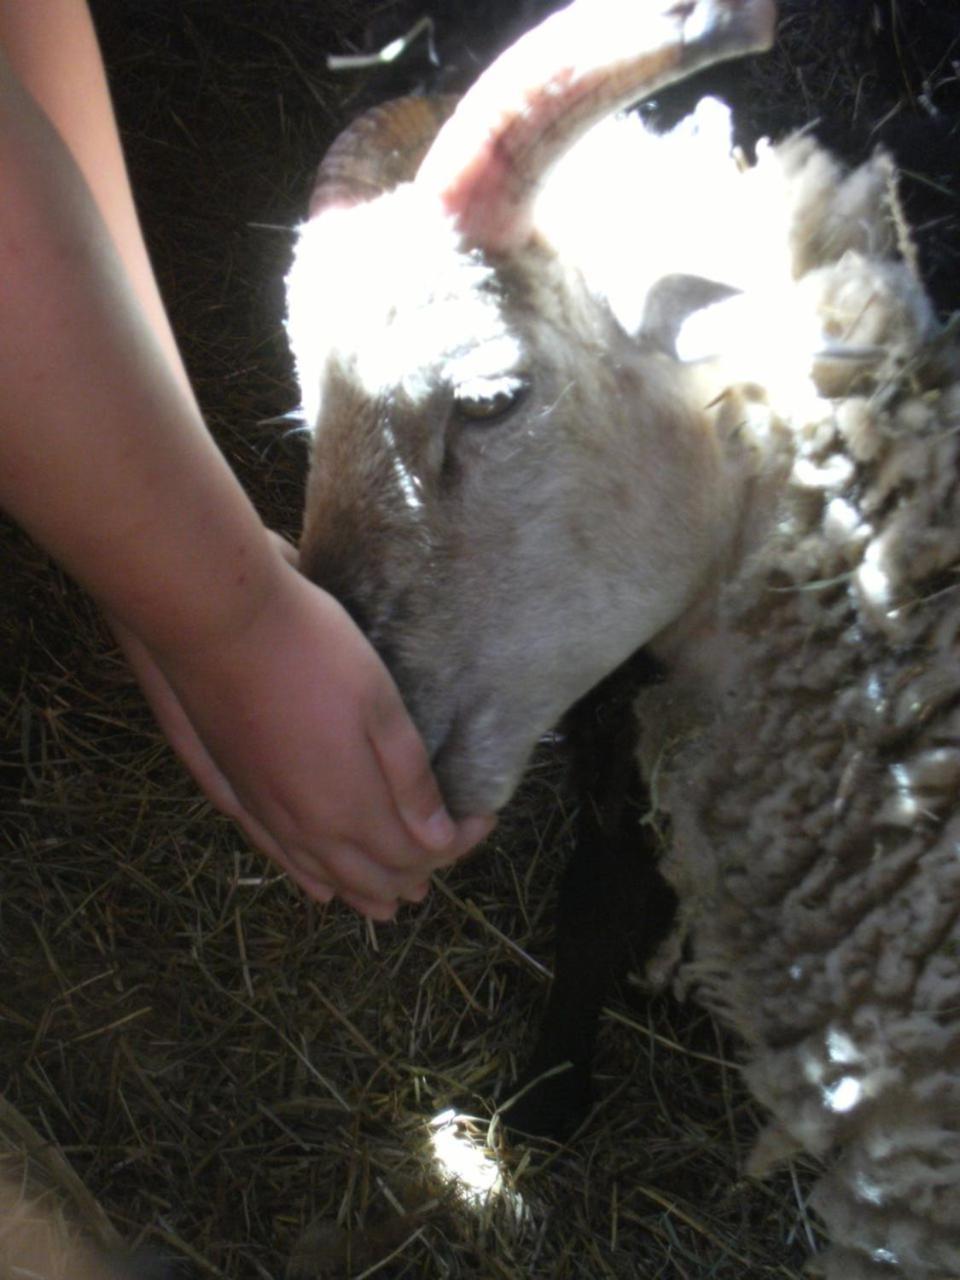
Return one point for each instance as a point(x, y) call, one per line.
point(466, 1162)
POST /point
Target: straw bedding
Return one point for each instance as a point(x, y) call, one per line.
point(193, 1058)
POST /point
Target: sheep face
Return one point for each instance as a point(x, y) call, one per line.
point(507, 490)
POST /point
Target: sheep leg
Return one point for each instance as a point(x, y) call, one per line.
point(613, 901)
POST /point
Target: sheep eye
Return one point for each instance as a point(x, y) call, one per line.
point(485, 399)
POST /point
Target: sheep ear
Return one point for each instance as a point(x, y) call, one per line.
point(582, 63)
point(671, 301)
point(379, 150)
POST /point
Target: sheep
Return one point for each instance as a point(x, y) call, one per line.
point(737, 445)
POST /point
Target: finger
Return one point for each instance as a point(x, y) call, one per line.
point(302, 873)
point(372, 908)
point(316, 890)
point(305, 871)
point(176, 725)
point(392, 860)
point(223, 797)
point(471, 832)
point(417, 893)
point(259, 836)
point(354, 871)
point(409, 777)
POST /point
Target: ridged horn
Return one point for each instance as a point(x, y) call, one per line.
point(579, 65)
point(379, 150)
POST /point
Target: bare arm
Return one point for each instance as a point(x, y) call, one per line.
point(54, 51)
point(88, 392)
point(275, 701)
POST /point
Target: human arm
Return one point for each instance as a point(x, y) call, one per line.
point(277, 703)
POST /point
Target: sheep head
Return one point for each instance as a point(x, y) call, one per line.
point(508, 491)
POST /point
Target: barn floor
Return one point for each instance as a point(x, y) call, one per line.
point(191, 1057)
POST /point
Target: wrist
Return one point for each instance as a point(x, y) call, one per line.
point(197, 618)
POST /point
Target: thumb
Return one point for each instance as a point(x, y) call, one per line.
point(409, 777)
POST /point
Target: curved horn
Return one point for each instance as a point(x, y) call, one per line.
point(379, 150)
point(584, 62)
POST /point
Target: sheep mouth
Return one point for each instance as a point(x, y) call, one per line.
point(478, 762)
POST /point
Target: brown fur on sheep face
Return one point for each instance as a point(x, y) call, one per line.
point(477, 406)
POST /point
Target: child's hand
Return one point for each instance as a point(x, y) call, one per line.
point(295, 729)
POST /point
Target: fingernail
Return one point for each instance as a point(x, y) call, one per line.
point(440, 830)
